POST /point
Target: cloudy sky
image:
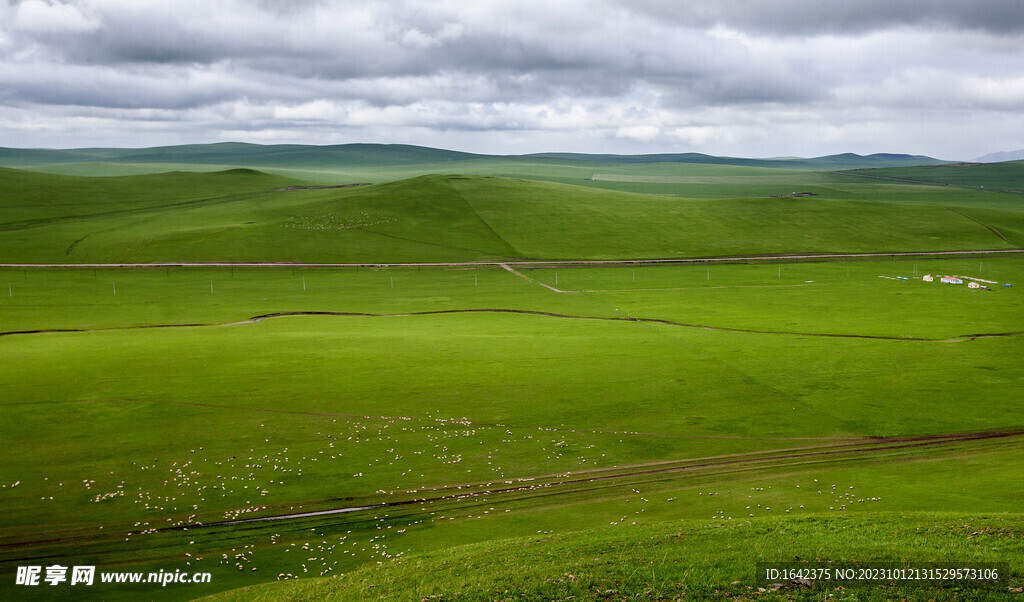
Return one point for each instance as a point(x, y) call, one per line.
point(755, 78)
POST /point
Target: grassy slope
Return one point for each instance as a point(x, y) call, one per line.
point(33, 198)
point(316, 399)
point(239, 154)
point(552, 221)
point(673, 560)
point(450, 218)
point(1008, 175)
point(282, 413)
point(690, 180)
point(840, 298)
point(423, 221)
point(289, 155)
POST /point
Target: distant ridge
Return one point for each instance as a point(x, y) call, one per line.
point(844, 160)
point(1016, 155)
point(240, 154)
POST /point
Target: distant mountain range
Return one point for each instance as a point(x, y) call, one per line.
point(366, 155)
point(1016, 155)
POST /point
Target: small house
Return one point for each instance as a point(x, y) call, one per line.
point(973, 285)
point(928, 278)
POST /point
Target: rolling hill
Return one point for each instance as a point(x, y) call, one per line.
point(1005, 176)
point(238, 153)
point(245, 215)
point(397, 155)
point(484, 431)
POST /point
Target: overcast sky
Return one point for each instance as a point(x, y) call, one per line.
point(756, 78)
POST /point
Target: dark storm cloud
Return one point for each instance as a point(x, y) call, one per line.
point(799, 17)
point(101, 88)
point(141, 34)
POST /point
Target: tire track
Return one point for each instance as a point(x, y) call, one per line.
point(714, 465)
point(978, 221)
point(72, 246)
point(472, 209)
point(568, 483)
point(506, 267)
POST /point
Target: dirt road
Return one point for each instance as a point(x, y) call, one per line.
point(519, 264)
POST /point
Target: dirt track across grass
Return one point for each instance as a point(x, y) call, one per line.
point(868, 448)
point(532, 263)
point(528, 312)
point(593, 481)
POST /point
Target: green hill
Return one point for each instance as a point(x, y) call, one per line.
point(238, 153)
point(245, 215)
point(472, 432)
point(556, 221)
point(380, 155)
point(840, 161)
point(29, 198)
point(1008, 175)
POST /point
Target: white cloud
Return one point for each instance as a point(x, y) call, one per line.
point(315, 111)
point(643, 133)
point(726, 77)
point(45, 16)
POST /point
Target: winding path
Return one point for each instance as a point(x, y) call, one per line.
point(528, 312)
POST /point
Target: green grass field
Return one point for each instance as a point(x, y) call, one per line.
point(648, 431)
point(191, 217)
point(1005, 175)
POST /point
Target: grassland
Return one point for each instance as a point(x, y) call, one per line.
point(230, 418)
point(686, 559)
point(1004, 176)
point(460, 218)
point(601, 432)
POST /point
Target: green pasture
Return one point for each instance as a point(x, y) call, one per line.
point(548, 221)
point(680, 559)
point(132, 429)
point(855, 297)
point(35, 199)
point(836, 297)
point(686, 175)
point(597, 432)
point(939, 507)
point(1006, 175)
point(460, 218)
